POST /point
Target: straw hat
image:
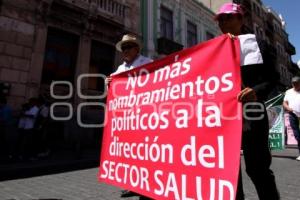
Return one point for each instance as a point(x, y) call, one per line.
point(128, 38)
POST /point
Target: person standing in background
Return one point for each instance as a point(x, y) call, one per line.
point(291, 104)
point(5, 123)
point(25, 143)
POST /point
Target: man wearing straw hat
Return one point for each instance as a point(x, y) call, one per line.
point(130, 47)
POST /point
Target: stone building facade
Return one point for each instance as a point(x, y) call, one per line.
point(269, 26)
point(169, 26)
point(277, 36)
point(46, 40)
point(213, 5)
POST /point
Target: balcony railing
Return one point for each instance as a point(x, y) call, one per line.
point(289, 47)
point(110, 7)
point(167, 46)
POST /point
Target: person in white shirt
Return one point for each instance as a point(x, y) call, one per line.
point(28, 118)
point(291, 103)
point(130, 47)
point(41, 141)
point(26, 129)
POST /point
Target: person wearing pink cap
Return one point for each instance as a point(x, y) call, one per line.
point(258, 79)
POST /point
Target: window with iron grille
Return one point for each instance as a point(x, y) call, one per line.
point(209, 35)
point(191, 34)
point(166, 23)
point(60, 56)
point(101, 62)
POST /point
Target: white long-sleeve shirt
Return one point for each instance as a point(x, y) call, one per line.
point(140, 60)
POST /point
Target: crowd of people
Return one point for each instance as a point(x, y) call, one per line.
point(31, 141)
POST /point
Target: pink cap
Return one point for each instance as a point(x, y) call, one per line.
point(229, 8)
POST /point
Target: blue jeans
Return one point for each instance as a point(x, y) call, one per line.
point(294, 123)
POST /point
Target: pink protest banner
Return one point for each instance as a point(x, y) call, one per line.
point(174, 126)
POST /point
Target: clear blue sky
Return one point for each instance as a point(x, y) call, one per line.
point(290, 10)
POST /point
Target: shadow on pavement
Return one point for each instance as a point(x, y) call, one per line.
point(56, 162)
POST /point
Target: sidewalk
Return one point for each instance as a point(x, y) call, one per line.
point(57, 162)
point(290, 151)
point(66, 160)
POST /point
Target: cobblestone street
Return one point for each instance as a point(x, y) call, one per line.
point(83, 185)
